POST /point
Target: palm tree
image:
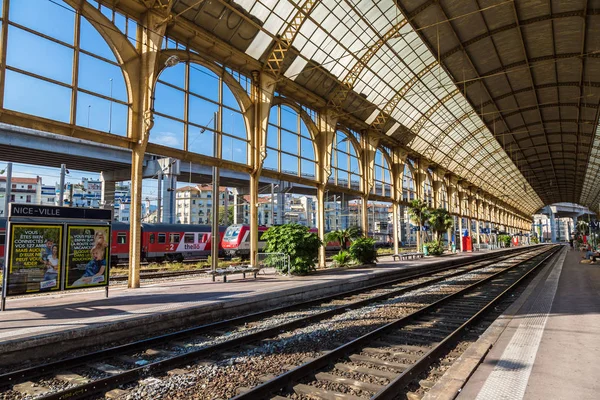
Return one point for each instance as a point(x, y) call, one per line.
point(343, 236)
point(440, 221)
point(419, 213)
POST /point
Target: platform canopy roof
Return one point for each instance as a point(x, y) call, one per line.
point(502, 93)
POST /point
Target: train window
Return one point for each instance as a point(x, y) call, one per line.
point(188, 238)
point(174, 238)
point(260, 235)
point(2, 239)
point(152, 238)
point(121, 238)
point(162, 238)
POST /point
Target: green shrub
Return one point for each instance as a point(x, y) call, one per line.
point(534, 240)
point(342, 258)
point(504, 240)
point(297, 242)
point(363, 251)
point(435, 248)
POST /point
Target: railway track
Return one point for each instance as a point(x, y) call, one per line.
point(105, 370)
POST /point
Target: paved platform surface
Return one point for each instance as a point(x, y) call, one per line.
point(551, 348)
point(27, 317)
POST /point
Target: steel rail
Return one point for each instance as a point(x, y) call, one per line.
point(105, 384)
point(289, 378)
point(48, 368)
point(391, 390)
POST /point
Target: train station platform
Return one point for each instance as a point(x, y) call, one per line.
point(545, 346)
point(37, 326)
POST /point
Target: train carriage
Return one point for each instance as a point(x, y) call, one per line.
point(236, 241)
point(177, 241)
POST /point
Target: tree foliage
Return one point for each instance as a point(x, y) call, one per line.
point(363, 250)
point(435, 248)
point(297, 242)
point(440, 221)
point(504, 240)
point(343, 236)
point(342, 258)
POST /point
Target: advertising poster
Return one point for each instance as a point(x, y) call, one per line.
point(87, 257)
point(35, 258)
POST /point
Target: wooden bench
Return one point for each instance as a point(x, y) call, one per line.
point(406, 256)
point(239, 269)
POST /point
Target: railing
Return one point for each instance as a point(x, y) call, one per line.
point(279, 261)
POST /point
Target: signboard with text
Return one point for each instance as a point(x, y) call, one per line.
point(53, 248)
point(35, 258)
point(87, 257)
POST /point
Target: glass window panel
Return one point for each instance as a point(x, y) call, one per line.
point(169, 101)
point(240, 152)
point(272, 137)
point(200, 140)
point(289, 164)
point(304, 130)
point(202, 112)
point(308, 168)
point(307, 149)
point(354, 165)
point(167, 132)
point(51, 19)
point(95, 75)
point(204, 82)
point(40, 56)
point(37, 97)
point(174, 75)
point(289, 142)
point(342, 177)
point(229, 99)
point(101, 114)
point(233, 123)
point(289, 119)
point(271, 160)
point(93, 42)
point(273, 115)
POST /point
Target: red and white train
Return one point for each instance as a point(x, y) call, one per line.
point(171, 242)
point(236, 242)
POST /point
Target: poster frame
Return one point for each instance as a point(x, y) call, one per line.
point(33, 214)
point(8, 250)
point(67, 240)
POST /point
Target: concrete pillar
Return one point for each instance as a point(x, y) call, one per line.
point(142, 73)
point(396, 226)
point(364, 217)
point(107, 196)
point(321, 223)
point(552, 226)
point(170, 168)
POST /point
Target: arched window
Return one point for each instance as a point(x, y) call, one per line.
point(408, 184)
point(344, 162)
point(290, 148)
point(191, 101)
point(57, 72)
point(428, 191)
point(444, 197)
point(383, 176)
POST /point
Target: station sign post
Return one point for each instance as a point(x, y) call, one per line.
point(52, 248)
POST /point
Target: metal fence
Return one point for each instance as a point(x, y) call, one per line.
point(279, 261)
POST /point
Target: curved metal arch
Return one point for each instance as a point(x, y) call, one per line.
point(355, 144)
point(547, 105)
point(450, 156)
point(514, 25)
point(345, 87)
point(539, 87)
point(184, 56)
point(386, 113)
point(125, 53)
point(282, 46)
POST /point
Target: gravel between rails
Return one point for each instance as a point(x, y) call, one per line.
point(223, 377)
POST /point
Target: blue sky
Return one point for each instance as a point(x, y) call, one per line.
point(101, 95)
